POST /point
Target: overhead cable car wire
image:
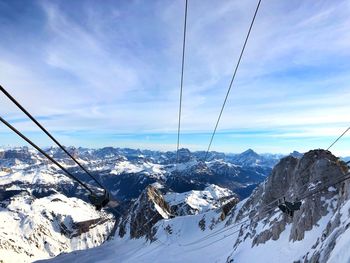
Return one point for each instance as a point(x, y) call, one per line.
point(45, 154)
point(283, 196)
point(276, 200)
point(10, 97)
point(347, 176)
point(339, 137)
point(49, 157)
point(182, 80)
point(232, 80)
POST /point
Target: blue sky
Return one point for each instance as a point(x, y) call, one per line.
point(107, 73)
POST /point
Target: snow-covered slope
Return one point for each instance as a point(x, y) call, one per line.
point(174, 238)
point(194, 202)
point(39, 217)
point(254, 230)
point(35, 228)
point(148, 168)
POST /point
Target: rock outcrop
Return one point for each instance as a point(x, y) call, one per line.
point(310, 180)
point(146, 211)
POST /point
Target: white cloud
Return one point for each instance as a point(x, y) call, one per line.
point(117, 68)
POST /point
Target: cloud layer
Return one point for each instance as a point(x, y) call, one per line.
point(108, 74)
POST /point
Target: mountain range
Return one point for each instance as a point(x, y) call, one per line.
point(224, 209)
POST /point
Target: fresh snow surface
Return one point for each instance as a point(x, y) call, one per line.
point(146, 167)
point(169, 248)
point(43, 174)
point(187, 242)
point(2, 173)
point(220, 161)
point(201, 201)
point(157, 185)
point(183, 166)
point(26, 224)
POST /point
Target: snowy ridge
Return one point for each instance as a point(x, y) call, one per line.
point(211, 197)
point(123, 168)
point(146, 167)
point(41, 228)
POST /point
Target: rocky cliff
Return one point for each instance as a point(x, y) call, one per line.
point(146, 211)
point(304, 179)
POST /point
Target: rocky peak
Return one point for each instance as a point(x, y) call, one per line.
point(295, 178)
point(21, 154)
point(146, 211)
point(200, 201)
point(296, 154)
point(184, 155)
point(249, 157)
point(250, 152)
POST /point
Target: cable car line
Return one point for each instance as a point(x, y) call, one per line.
point(182, 80)
point(313, 193)
point(276, 200)
point(45, 154)
point(232, 80)
point(339, 137)
point(347, 176)
point(8, 95)
point(178, 133)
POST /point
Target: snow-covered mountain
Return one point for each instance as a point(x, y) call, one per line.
point(251, 158)
point(346, 159)
point(40, 213)
point(33, 228)
point(50, 214)
point(185, 212)
point(252, 230)
point(195, 202)
point(128, 172)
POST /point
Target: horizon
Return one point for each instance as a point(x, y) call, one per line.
point(110, 74)
point(4, 147)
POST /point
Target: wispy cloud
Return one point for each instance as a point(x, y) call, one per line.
point(112, 69)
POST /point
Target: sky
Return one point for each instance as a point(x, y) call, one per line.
point(107, 73)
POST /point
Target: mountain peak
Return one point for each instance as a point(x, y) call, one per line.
point(296, 154)
point(249, 151)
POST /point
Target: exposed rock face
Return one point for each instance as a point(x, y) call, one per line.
point(307, 179)
point(227, 207)
point(146, 211)
point(184, 155)
point(6, 170)
point(22, 154)
point(251, 158)
point(9, 158)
